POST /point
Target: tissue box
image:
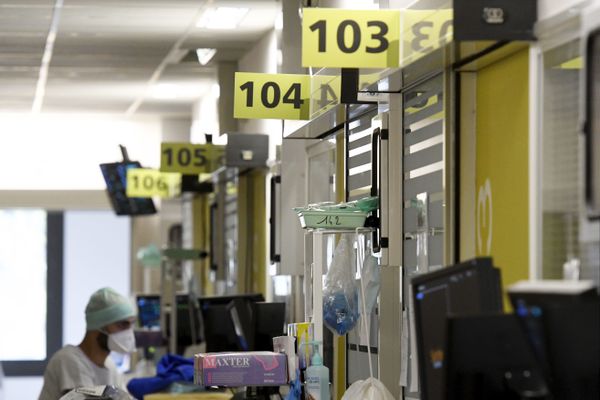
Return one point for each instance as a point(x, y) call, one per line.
point(254, 368)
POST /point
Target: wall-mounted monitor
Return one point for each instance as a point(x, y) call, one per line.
point(115, 176)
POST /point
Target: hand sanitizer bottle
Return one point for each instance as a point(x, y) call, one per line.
point(317, 377)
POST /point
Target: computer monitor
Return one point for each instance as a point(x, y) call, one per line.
point(269, 322)
point(148, 307)
point(488, 357)
point(115, 177)
point(561, 320)
point(468, 288)
point(573, 346)
point(240, 312)
point(241, 322)
point(189, 322)
point(219, 331)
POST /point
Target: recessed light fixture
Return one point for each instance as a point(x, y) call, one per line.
point(205, 55)
point(222, 18)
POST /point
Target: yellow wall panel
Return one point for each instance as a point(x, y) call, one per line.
point(501, 182)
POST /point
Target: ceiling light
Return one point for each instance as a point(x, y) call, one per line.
point(205, 55)
point(222, 18)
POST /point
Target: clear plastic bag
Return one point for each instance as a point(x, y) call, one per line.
point(340, 293)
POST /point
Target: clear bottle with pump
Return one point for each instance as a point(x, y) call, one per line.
point(317, 377)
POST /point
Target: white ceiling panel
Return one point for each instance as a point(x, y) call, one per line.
point(109, 54)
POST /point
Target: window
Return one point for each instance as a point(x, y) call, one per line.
point(567, 236)
point(30, 288)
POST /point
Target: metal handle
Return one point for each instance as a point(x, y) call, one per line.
point(212, 253)
point(375, 185)
point(274, 257)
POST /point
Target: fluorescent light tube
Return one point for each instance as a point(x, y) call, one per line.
point(222, 18)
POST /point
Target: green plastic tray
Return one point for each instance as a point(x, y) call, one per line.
point(331, 219)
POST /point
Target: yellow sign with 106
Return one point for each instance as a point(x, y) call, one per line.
point(145, 182)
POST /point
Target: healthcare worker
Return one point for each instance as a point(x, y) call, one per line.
point(109, 319)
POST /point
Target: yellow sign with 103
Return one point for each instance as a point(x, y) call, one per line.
point(350, 38)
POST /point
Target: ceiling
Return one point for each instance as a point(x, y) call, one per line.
point(110, 56)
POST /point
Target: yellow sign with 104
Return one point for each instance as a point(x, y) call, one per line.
point(334, 37)
point(189, 158)
point(145, 182)
point(271, 96)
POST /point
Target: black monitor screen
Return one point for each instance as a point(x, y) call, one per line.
point(240, 312)
point(115, 176)
point(189, 322)
point(564, 331)
point(269, 322)
point(148, 311)
point(488, 357)
point(469, 288)
point(219, 330)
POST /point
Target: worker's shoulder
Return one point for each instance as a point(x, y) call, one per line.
point(66, 354)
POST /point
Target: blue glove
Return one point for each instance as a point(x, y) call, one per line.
point(339, 314)
point(295, 388)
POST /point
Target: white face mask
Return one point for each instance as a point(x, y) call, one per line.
point(122, 341)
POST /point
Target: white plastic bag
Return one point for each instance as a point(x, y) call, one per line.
point(369, 389)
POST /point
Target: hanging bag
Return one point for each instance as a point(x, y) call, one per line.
point(340, 293)
point(371, 388)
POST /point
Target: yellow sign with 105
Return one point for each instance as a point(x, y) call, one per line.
point(190, 158)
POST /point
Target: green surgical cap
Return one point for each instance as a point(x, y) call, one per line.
point(105, 307)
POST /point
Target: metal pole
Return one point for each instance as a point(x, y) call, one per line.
point(318, 287)
point(173, 315)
